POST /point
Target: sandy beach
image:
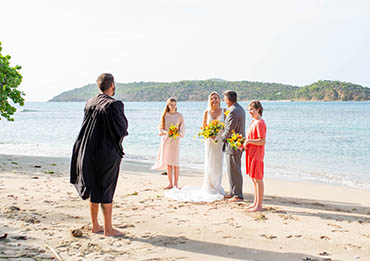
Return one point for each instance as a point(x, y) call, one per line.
point(300, 221)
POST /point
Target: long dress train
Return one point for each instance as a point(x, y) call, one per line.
point(211, 189)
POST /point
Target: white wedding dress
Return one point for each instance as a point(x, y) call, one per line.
point(211, 189)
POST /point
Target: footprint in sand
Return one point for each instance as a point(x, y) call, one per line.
point(325, 237)
point(181, 222)
point(279, 211)
point(296, 236)
point(147, 235)
point(288, 217)
point(350, 247)
point(334, 225)
point(123, 226)
point(268, 236)
point(324, 253)
point(259, 217)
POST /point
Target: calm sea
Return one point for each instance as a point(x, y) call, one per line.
point(310, 141)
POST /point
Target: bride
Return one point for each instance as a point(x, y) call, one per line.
point(211, 189)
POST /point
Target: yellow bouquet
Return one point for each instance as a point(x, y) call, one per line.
point(236, 140)
point(212, 129)
point(173, 132)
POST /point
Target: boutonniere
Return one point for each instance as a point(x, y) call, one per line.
point(226, 112)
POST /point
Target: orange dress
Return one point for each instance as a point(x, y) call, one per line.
point(254, 154)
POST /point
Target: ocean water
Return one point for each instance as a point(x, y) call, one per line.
point(326, 142)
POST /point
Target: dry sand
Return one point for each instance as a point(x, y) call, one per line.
point(300, 221)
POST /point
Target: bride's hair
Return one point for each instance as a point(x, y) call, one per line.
point(166, 109)
point(209, 99)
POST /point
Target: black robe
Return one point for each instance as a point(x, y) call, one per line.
point(97, 152)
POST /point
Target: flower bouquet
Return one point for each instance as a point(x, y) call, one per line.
point(236, 140)
point(173, 132)
point(212, 129)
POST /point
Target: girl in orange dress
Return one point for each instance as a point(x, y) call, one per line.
point(169, 150)
point(254, 146)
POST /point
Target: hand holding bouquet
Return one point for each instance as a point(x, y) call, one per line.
point(173, 132)
point(236, 140)
point(212, 129)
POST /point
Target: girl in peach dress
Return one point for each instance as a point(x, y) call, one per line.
point(255, 152)
point(169, 150)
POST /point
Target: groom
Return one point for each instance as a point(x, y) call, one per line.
point(235, 121)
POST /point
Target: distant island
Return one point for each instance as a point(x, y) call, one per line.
point(199, 90)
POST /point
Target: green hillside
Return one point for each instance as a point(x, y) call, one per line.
point(333, 91)
point(199, 90)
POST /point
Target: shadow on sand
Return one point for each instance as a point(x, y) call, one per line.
point(220, 250)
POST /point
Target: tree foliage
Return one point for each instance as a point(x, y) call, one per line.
point(184, 91)
point(10, 79)
point(333, 91)
point(199, 91)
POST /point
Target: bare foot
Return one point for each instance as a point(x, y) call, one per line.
point(253, 206)
point(169, 187)
point(227, 196)
point(255, 209)
point(113, 233)
point(97, 229)
point(235, 199)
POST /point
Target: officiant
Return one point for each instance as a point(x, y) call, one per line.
point(98, 151)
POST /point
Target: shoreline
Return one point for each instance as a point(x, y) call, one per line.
point(39, 207)
point(144, 166)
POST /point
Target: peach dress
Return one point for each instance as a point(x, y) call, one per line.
point(169, 150)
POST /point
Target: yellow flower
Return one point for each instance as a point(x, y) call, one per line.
point(236, 140)
point(212, 129)
point(173, 131)
point(226, 112)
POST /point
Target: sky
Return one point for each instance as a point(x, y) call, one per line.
point(66, 44)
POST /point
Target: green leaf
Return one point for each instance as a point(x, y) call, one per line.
point(10, 79)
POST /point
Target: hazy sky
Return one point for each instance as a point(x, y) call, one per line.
point(62, 45)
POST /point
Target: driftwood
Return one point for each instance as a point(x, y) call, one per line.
point(57, 256)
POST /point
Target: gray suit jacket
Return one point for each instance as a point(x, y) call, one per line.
point(235, 120)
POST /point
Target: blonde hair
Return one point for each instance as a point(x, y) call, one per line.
point(166, 109)
point(209, 99)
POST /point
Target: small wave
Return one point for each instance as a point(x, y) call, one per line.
point(300, 175)
point(135, 157)
point(29, 110)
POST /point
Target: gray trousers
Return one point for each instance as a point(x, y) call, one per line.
point(233, 164)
